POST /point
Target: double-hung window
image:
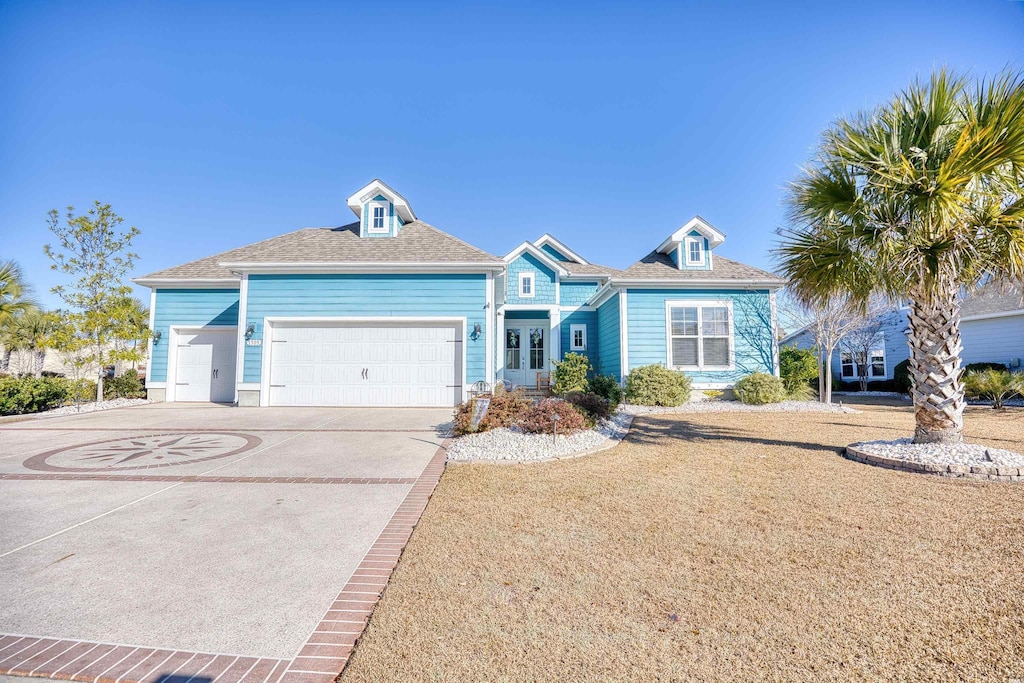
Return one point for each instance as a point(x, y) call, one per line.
point(378, 218)
point(694, 251)
point(577, 337)
point(850, 365)
point(526, 282)
point(700, 335)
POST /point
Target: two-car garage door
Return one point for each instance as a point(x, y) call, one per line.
point(360, 364)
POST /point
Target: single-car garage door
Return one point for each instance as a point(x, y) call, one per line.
point(204, 365)
point(331, 364)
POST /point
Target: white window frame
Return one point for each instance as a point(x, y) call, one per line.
point(856, 370)
point(699, 241)
point(532, 277)
point(370, 228)
point(573, 329)
point(700, 305)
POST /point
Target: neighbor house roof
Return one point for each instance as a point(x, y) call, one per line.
point(417, 242)
point(992, 301)
point(656, 266)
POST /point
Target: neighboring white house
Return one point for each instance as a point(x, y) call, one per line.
point(991, 330)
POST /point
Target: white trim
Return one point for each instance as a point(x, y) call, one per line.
point(687, 244)
point(379, 187)
point(572, 309)
point(623, 336)
point(243, 305)
point(268, 338)
point(699, 305)
point(529, 307)
point(248, 386)
point(555, 332)
point(696, 223)
point(537, 253)
point(156, 385)
point(573, 329)
point(558, 290)
point(488, 329)
point(989, 316)
point(172, 352)
point(150, 343)
point(380, 267)
point(385, 229)
point(697, 283)
point(605, 292)
point(870, 378)
point(546, 238)
point(532, 276)
point(187, 283)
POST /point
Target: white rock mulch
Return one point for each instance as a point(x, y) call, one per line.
point(514, 445)
point(942, 454)
point(736, 406)
point(91, 407)
point(886, 394)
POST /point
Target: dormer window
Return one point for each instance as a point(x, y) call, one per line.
point(526, 285)
point(378, 218)
point(694, 251)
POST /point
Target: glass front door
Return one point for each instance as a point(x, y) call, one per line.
point(525, 351)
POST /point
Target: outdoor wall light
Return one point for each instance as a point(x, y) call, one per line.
point(156, 337)
point(250, 330)
point(476, 329)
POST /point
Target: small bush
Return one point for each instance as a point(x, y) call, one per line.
point(656, 385)
point(760, 388)
point(901, 377)
point(597, 407)
point(713, 394)
point(22, 395)
point(797, 368)
point(976, 367)
point(571, 374)
point(607, 387)
point(993, 385)
point(540, 418)
point(505, 410)
point(127, 385)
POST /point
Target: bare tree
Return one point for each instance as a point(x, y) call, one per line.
point(755, 327)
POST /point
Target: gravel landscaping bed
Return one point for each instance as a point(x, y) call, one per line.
point(942, 454)
point(86, 408)
point(736, 406)
point(515, 445)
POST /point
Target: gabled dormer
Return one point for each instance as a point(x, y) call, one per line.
point(382, 212)
point(690, 246)
point(557, 250)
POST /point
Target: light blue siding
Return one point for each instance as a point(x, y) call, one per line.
point(188, 307)
point(608, 360)
point(576, 292)
point(554, 253)
point(894, 342)
point(544, 281)
point(588, 318)
point(647, 332)
point(370, 295)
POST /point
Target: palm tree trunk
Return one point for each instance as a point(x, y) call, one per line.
point(5, 361)
point(935, 370)
point(38, 361)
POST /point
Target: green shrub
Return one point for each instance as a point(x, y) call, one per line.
point(607, 387)
point(656, 385)
point(21, 395)
point(81, 390)
point(506, 409)
point(993, 385)
point(597, 407)
point(540, 419)
point(797, 368)
point(901, 377)
point(126, 385)
point(713, 394)
point(975, 367)
point(760, 388)
point(571, 374)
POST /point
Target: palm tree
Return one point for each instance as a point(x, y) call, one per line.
point(32, 332)
point(15, 299)
point(919, 200)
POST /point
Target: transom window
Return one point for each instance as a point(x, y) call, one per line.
point(578, 337)
point(526, 282)
point(700, 335)
point(378, 218)
point(694, 251)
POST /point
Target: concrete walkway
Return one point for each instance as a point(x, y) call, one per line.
point(204, 540)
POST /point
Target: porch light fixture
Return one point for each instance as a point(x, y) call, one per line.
point(250, 330)
point(156, 337)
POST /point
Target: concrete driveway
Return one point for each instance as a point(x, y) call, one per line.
point(204, 542)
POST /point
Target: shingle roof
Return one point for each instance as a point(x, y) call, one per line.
point(416, 242)
point(992, 300)
point(588, 269)
point(657, 266)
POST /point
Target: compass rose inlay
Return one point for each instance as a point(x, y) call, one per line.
point(143, 452)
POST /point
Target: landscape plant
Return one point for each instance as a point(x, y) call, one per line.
point(126, 385)
point(22, 395)
point(797, 367)
point(760, 388)
point(505, 409)
point(993, 385)
point(597, 407)
point(15, 300)
point(571, 374)
point(607, 387)
point(656, 385)
point(918, 200)
point(540, 418)
point(901, 376)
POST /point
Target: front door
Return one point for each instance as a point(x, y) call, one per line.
point(526, 351)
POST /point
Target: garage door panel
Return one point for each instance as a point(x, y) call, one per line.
point(371, 365)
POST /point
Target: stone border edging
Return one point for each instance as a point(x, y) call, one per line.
point(982, 472)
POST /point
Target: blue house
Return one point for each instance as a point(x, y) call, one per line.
point(390, 311)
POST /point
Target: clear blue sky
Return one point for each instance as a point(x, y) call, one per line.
point(212, 125)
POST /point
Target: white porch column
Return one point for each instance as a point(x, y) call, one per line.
point(556, 336)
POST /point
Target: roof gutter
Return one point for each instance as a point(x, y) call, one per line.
point(772, 284)
point(363, 267)
point(187, 282)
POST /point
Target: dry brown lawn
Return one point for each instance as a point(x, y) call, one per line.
point(728, 547)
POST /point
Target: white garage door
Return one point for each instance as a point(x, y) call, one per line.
point(204, 366)
point(358, 365)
